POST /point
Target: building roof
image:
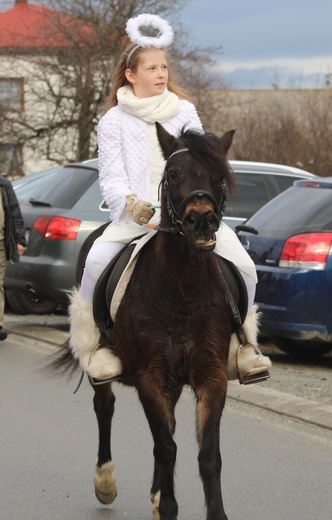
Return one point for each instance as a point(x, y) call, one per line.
point(31, 26)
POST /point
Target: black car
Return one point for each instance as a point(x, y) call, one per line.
point(61, 206)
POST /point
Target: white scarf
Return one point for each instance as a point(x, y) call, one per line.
point(155, 108)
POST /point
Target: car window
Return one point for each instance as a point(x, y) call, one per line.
point(283, 182)
point(92, 199)
point(305, 207)
point(26, 186)
point(251, 195)
point(65, 188)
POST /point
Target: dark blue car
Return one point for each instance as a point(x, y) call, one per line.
point(292, 251)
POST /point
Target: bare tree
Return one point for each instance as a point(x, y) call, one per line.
point(292, 127)
point(68, 80)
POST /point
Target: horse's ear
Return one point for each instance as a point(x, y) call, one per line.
point(226, 140)
point(166, 141)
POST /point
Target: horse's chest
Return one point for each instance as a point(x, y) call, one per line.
point(194, 296)
point(179, 312)
point(174, 302)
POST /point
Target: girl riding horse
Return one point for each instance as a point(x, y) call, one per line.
point(145, 91)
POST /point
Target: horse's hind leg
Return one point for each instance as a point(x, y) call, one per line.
point(104, 481)
point(208, 414)
point(160, 415)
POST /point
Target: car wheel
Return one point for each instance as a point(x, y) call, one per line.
point(26, 303)
point(306, 350)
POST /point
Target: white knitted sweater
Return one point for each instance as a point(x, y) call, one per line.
point(128, 152)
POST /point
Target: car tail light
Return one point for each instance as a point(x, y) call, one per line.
point(306, 251)
point(57, 228)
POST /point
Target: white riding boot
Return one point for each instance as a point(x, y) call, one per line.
point(99, 363)
point(246, 362)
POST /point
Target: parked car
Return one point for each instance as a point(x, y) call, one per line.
point(292, 251)
point(61, 206)
point(258, 183)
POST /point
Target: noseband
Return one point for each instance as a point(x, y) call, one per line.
point(176, 216)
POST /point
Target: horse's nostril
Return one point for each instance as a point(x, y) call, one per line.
point(190, 221)
point(212, 220)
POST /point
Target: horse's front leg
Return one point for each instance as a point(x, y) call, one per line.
point(104, 480)
point(210, 403)
point(159, 411)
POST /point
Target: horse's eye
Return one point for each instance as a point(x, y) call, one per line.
point(172, 176)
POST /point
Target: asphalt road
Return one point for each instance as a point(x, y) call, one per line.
point(274, 467)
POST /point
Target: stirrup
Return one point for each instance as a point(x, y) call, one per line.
point(249, 379)
point(94, 381)
point(255, 378)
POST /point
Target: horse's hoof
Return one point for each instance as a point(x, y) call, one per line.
point(105, 483)
point(106, 499)
point(155, 499)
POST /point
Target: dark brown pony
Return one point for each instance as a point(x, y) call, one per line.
point(174, 324)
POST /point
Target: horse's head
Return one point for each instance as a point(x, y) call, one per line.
point(194, 184)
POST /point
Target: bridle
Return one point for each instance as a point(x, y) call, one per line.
point(176, 216)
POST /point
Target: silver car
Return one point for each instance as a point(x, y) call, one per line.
point(63, 205)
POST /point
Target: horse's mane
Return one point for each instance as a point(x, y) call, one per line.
point(207, 149)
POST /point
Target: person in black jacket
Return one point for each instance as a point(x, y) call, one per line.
point(12, 239)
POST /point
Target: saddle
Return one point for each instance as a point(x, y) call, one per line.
point(108, 284)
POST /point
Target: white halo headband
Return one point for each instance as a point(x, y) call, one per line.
point(133, 28)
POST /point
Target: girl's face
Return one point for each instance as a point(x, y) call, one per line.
point(151, 77)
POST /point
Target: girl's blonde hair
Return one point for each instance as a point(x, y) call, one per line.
point(119, 78)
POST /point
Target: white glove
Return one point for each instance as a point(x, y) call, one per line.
point(140, 210)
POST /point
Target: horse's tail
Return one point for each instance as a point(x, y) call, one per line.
point(63, 362)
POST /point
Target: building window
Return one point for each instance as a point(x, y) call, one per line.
point(11, 94)
point(11, 160)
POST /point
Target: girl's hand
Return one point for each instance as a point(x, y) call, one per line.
point(140, 210)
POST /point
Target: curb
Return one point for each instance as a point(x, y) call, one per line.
point(282, 403)
point(53, 330)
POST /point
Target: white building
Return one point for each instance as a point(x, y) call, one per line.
point(28, 34)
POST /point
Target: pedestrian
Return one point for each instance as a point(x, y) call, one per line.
point(12, 238)
point(144, 91)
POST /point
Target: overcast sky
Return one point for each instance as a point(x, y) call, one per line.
point(287, 43)
point(265, 42)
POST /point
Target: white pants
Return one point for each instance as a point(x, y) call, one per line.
point(115, 236)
